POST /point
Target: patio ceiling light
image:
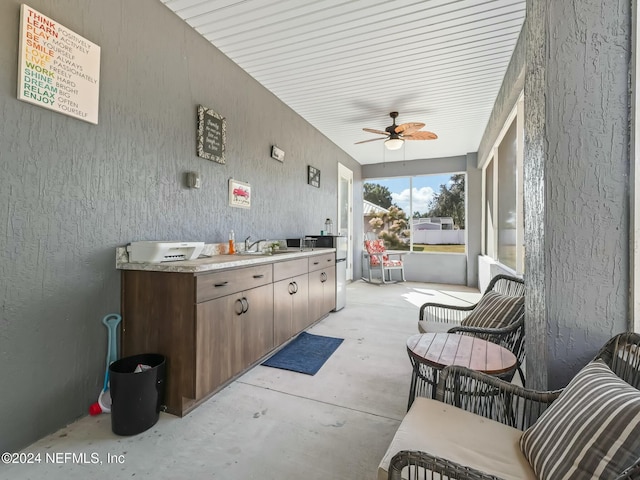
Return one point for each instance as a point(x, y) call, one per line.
point(394, 142)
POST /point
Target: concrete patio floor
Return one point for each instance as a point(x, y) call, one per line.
point(271, 423)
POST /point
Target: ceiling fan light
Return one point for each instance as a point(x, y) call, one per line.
point(394, 143)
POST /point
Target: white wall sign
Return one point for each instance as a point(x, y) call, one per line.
point(57, 68)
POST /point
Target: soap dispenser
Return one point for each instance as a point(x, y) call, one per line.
point(232, 243)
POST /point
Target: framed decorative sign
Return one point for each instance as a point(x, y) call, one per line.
point(57, 68)
point(313, 176)
point(212, 135)
point(239, 194)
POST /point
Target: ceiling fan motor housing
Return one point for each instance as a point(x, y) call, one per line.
point(391, 129)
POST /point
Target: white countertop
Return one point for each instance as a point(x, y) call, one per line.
point(214, 262)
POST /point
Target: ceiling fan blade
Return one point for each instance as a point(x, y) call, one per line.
point(371, 130)
point(371, 140)
point(421, 136)
point(407, 128)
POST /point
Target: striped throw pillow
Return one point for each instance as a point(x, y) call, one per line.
point(591, 431)
point(495, 310)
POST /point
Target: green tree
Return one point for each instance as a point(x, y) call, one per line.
point(377, 194)
point(449, 202)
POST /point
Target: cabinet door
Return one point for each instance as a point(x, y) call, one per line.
point(257, 323)
point(283, 293)
point(290, 308)
point(329, 289)
point(316, 295)
point(218, 342)
point(300, 318)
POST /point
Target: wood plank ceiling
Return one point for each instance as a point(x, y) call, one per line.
point(345, 64)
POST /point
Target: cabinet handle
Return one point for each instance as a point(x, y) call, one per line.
point(220, 284)
point(329, 259)
point(316, 263)
point(291, 288)
point(295, 287)
point(323, 277)
point(258, 276)
point(245, 305)
point(238, 301)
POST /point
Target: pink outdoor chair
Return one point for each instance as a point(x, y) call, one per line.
point(377, 259)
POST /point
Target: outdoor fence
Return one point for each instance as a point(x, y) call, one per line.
point(439, 237)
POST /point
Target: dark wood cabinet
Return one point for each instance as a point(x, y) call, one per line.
point(257, 324)
point(329, 290)
point(232, 332)
point(322, 286)
point(290, 298)
point(218, 343)
point(212, 326)
point(207, 326)
point(158, 316)
point(290, 307)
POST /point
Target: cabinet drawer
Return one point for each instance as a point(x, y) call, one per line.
point(219, 284)
point(291, 268)
point(319, 262)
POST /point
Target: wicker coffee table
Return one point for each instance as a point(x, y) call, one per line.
point(431, 352)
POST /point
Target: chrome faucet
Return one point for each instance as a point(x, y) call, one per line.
point(248, 246)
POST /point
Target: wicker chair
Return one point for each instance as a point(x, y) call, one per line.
point(438, 317)
point(409, 465)
point(509, 404)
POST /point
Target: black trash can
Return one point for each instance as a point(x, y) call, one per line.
point(136, 398)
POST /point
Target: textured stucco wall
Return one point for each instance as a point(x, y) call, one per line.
point(576, 181)
point(587, 183)
point(536, 327)
point(71, 192)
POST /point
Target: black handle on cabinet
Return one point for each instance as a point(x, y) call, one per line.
point(329, 259)
point(220, 284)
point(245, 305)
point(238, 301)
point(323, 277)
point(258, 276)
point(316, 263)
point(295, 287)
point(291, 288)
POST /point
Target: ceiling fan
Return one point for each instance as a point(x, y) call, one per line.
point(395, 135)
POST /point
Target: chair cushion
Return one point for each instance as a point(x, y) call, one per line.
point(375, 246)
point(425, 326)
point(591, 431)
point(392, 263)
point(495, 310)
point(459, 436)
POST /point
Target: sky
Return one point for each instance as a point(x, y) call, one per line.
point(424, 188)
